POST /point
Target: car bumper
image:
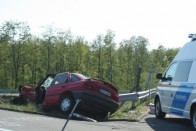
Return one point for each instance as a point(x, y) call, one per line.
point(96, 101)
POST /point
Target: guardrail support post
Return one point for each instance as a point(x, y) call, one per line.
point(133, 104)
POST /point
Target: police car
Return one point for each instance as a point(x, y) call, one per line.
point(176, 91)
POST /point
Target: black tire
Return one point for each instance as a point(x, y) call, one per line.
point(193, 119)
point(158, 112)
point(66, 104)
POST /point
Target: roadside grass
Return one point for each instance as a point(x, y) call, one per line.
point(124, 112)
point(127, 112)
point(5, 103)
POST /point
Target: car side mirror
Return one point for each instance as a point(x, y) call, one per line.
point(169, 78)
point(159, 76)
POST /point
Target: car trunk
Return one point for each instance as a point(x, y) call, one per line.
point(105, 88)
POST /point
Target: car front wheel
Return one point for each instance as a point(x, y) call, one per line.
point(193, 119)
point(66, 103)
point(158, 112)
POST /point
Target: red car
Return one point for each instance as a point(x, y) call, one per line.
point(97, 97)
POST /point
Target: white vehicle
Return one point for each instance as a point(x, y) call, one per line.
point(176, 92)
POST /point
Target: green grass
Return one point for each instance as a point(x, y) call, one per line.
point(125, 111)
point(5, 103)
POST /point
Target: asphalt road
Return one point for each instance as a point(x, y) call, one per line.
point(16, 121)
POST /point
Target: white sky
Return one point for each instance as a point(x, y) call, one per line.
point(165, 22)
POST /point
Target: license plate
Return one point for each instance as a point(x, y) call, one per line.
point(107, 93)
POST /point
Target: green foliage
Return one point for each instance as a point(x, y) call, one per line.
point(25, 59)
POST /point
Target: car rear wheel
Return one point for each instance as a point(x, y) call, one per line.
point(193, 119)
point(158, 112)
point(66, 103)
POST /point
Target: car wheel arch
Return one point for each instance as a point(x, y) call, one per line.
point(66, 93)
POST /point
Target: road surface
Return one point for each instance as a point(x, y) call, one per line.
point(17, 121)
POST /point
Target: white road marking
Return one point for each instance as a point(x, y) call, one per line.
point(2, 129)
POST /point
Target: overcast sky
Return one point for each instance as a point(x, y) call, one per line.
point(165, 22)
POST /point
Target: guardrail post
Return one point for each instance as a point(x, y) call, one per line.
point(133, 105)
point(137, 85)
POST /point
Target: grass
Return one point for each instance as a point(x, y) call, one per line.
point(5, 103)
point(124, 112)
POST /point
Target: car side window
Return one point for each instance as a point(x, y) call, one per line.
point(60, 79)
point(182, 71)
point(47, 82)
point(74, 78)
point(169, 74)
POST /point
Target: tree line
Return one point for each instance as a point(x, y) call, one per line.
point(25, 59)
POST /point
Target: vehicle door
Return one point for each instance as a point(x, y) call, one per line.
point(42, 86)
point(165, 87)
point(182, 88)
point(57, 86)
point(75, 82)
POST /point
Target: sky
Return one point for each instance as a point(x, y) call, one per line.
point(162, 22)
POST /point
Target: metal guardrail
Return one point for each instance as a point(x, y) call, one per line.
point(8, 91)
point(135, 96)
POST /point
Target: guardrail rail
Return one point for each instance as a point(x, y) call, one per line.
point(136, 96)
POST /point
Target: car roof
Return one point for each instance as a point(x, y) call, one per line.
point(187, 52)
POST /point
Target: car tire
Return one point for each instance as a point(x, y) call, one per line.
point(158, 112)
point(193, 119)
point(66, 103)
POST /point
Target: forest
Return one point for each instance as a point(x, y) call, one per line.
point(25, 58)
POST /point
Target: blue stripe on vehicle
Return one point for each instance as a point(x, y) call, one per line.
point(181, 97)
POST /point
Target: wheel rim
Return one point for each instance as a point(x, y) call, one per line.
point(65, 104)
point(157, 108)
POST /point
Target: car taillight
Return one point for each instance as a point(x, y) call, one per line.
point(115, 97)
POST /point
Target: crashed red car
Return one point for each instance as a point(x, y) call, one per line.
point(63, 89)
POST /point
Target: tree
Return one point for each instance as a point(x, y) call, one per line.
point(15, 33)
point(109, 49)
point(97, 48)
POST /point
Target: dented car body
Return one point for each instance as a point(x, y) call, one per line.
point(63, 89)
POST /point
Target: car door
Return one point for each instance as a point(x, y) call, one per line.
point(57, 86)
point(183, 88)
point(166, 87)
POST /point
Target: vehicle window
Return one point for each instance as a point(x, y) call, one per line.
point(83, 77)
point(74, 78)
point(60, 78)
point(171, 71)
point(47, 82)
point(182, 71)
